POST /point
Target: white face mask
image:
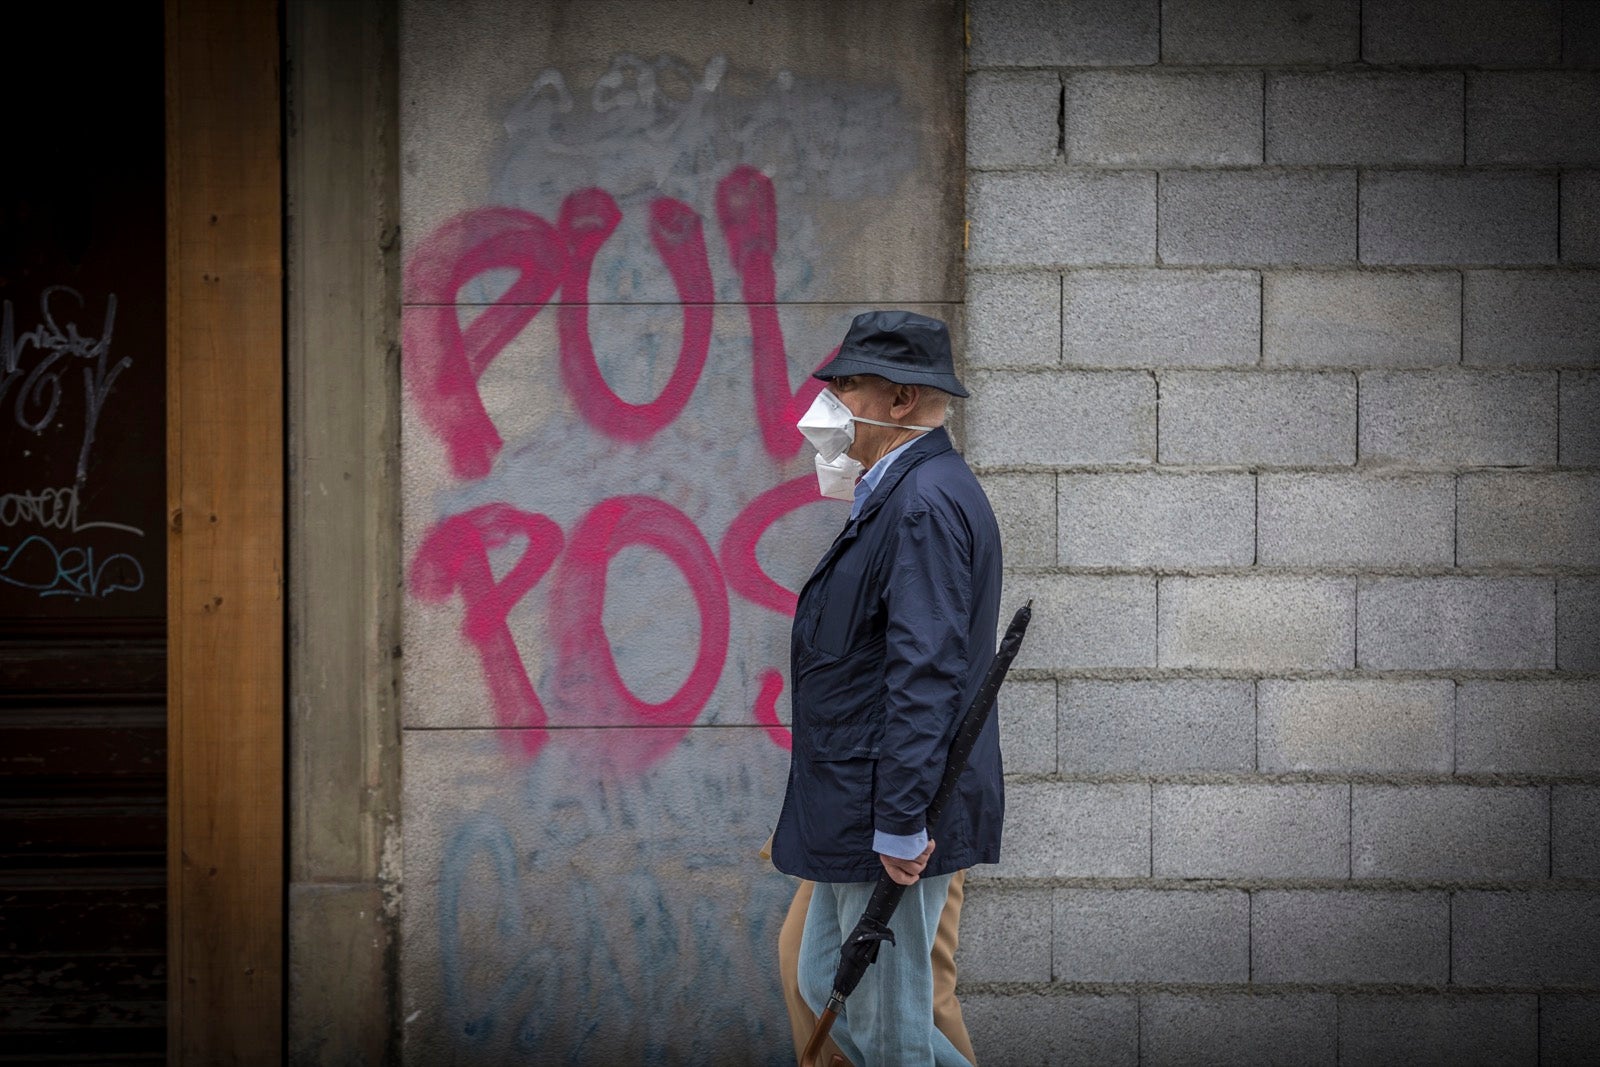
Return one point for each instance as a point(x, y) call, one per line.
point(831, 429)
point(838, 479)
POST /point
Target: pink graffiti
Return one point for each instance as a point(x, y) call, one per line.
point(442, 365)
point(739, 562)
point(454, 557)
point(747, 209)
point(587, 219)
point(442, 362)
point(587, 681)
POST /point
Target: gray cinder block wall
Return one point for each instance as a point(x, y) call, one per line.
point(1284, 330)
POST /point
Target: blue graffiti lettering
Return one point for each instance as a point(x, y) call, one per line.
point(37, 564)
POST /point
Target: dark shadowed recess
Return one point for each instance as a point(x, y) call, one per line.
point(82, 538)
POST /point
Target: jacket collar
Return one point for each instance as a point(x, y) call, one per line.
point(930, 444)
point(934, 442)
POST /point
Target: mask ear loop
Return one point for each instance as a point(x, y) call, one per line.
point(892, 425)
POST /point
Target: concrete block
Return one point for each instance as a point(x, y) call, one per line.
point(1028, 1030)
point(1025, 507)
point(1580, 418)
point(1580, 216)
point(1451, 1030)
point(1361, 318)
point(1259, 31)
point(1363, 118)
point(1541, 318)
point(1028, 727)
point(341, 940)
point(1087, 620)
point(1277, 418)
point(1062, 218)
point(1149, 519)
point(834, 126)
point(1580, 47)
point(1457, 217)
point(1449, 418)
point(1231, 1029)
point(1456, 623)
point(1013, 320)
point(1348, 935)
point(1356, 520)
point(1257, 623)
point(1251, 831)
point(1537, 938)
point(1076, 831)
point(1061, 418)
point(1443, 832)
point(1157, 727)
point(1529, 519)
point(1528, 727)
point(1156, 118)
point(1569, 1023)
point(639, 883)
point(1151, 935)
point(1501, 33)
point(1575, 831)
point(1532, 117)
point(1259, 217)
point(1362, 725)
point(1064, 33)
point(1578, 624)
point(1011, 117)
point(1161, 318)
point(1005, 935)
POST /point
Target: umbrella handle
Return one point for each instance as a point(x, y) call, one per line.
point(819, 1034)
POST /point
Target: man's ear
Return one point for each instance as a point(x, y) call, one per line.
point(906, 397)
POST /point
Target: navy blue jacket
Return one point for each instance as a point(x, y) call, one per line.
point(893, 634)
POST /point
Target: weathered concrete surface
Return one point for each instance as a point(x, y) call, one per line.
point(559, 915)
point(838, 102)
point(631, 231)
point(343, 601)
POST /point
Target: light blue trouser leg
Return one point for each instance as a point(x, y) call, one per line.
point(888, 1020)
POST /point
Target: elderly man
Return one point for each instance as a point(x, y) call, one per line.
point(892, 636)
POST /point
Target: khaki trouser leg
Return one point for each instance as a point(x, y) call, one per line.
point(946, 1010)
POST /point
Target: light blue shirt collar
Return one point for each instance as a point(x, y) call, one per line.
point(869, 481)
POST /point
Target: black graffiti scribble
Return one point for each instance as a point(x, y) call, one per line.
point(38, 389)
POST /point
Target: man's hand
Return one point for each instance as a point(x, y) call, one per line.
point(906, 872)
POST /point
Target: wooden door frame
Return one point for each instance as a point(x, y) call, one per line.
point(225, 537)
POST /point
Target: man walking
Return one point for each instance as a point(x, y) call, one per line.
point(892, 636)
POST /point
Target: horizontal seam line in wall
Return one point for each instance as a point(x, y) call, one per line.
point(1273, 779)
point(1270, 368)
point(1353, 66)
point(1306, 570)
point(1205, 884)
point(1367, 168)
point(680, 303)
point(1550, 266)
point(572, 727)
point(1261, 989)
point(1376, 471)
point(1162, 674)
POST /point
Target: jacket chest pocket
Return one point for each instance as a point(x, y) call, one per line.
point(845, 608)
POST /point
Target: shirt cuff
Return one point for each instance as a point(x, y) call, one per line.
point(900, 846)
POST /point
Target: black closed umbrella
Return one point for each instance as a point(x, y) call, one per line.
point(860, 949)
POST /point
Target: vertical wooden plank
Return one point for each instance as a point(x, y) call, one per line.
point(225, 538)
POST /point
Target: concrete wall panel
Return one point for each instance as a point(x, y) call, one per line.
point(630, 232)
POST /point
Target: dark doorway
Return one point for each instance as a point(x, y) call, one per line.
point(83, 537)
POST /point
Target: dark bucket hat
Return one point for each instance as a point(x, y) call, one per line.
point(902, 346)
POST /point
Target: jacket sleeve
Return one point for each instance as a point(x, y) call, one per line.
point(928, 604)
